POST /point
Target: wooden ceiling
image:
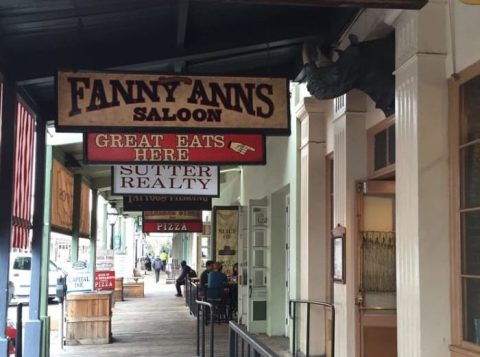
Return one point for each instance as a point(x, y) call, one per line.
point(262, 37)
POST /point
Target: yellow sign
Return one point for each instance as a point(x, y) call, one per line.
point(93, 101)
point(226, 236)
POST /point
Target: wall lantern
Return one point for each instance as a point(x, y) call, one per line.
point(112, 217)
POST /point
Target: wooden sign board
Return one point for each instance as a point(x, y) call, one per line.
point(166, 203)
point(172, 221)
point(62, 198)
point(213, 149)
point(192, 180)
point(105, 101)
point(225, 229)
point(85, 211)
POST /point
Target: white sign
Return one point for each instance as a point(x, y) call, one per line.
point(105, 260)
point(79, 280)
point(165, 180)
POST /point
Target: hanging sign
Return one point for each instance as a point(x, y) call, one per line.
point(225, 228)
point(93, 101)
point(172, 221)
point(165, 180)
point(62, 198)
point(224, 149)
point(172, 227)
point(85, 211)
point(166, 203)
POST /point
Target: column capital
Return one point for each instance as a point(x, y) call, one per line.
point(311, 105)
point(421, 32)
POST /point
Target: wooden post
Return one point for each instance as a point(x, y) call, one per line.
point(77, 193)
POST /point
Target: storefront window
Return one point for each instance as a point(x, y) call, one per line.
point(469, 155)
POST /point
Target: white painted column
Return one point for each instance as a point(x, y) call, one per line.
point(350, 165)
point(313, 263)
point(423, 293)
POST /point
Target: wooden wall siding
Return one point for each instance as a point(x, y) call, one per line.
point(23, 179)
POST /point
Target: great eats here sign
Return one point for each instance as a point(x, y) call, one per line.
point(174, 148)
point(103, 101)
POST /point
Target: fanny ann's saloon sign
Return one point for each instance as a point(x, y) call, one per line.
point(225, 149)
point(93, 101)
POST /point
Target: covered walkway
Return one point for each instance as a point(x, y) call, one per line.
point(157, 325)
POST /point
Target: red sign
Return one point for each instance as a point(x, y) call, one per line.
point(104, 280)
point(172, 226)
point(214, 149)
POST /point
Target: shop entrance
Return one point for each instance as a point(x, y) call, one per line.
point(376, 297)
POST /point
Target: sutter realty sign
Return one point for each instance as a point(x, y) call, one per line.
point(100, 101)
point(141, 148)
point(165, 180)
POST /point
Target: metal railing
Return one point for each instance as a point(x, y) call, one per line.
point(191, 296)
point(309, 303)
point(201, 306)
point(19, 335)
point(243, 344)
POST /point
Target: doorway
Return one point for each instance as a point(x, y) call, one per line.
point(376, 298)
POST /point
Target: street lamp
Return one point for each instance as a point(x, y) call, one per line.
point(112, 216)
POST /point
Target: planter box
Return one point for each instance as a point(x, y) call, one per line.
point(133, 290)
point(89, 318)
point(118, 294)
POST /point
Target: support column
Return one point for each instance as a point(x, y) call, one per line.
point(77, 197)
point(314, 280)
point(423, 255)
point(7, 169)
point(93, 232)
point(46, 252)
point(350, 166)
point(33, 327)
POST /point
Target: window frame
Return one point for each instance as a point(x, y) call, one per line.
point(389, 170)
point(459, 344)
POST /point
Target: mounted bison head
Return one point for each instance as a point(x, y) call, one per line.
point(367, 66)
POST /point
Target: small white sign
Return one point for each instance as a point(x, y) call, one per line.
point(165, 180)
point(80, 280)
point(105, 260)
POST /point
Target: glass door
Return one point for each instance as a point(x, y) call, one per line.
point(258, 270)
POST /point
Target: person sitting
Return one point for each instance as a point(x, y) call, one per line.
point(216, 282)
point(204, 277)
point(186, 272)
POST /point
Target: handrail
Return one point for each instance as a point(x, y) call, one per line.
point(309, 303)
point(201, 308)
point(257, 348)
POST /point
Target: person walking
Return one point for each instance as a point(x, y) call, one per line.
point(157, 266)
point(148, 263)
point(164, 259)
